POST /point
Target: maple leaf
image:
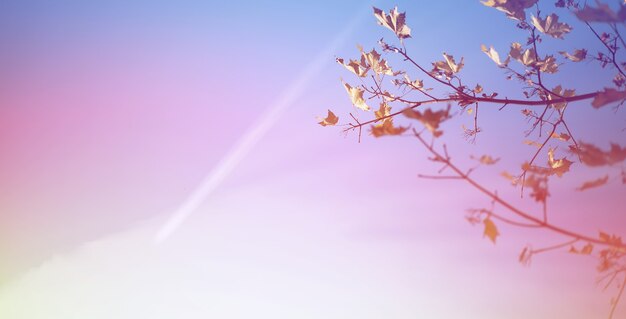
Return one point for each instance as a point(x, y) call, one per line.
point(577, 56)
point(563, 136)
point(383, 111)
point(548, 65)
point(551, 26)
point(594, 183)
point(372, 60)
point(607, 96)
point(448, 66)
point(417, 84)
point(494, 56)
point(601, 13)
point(591, 155)
point(586, 250)
point(356, 96)
point(330, 120)
point(558, 166)
point(491, 230)
point(559, 93)
point(386, 128)
point(526, 57)
point(354, 67)
point(487, 160)
point(514, 9)
point(430, 119)
point(394, 21)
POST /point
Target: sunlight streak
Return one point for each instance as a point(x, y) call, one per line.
point(256, 132)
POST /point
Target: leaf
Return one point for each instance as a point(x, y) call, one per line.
point(383, 111)
point(601, 13)
point(372, 60)
point(594, 183)
point(488, 160)
point(514, 9)
point(386, 128)
point(558, 93)
point(577, 56)
point(548, 65)
point(591, 155)
point(563, 136)
point(525, 256)
point(447, 67)
point(558, 166)
point(394, 21)
point(494, 56)
point(491, 230)
point(551, 26)
point(478, 89)
point(356, 96)
point(526, 57)
point(586, 250)
point(330, 120)
point(607, 96)
point(354, 67)
point(430, 119)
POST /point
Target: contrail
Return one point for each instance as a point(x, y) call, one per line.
point(255, 133)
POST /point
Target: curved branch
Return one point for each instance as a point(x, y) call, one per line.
point(513, 209)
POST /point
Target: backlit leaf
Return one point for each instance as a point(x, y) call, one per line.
point(592, 155)
point(430, 119)
point(494, 56)
point(577, 56)
point(558, 166)
point(601, 13)
point(514, 9)
point(394, 21)
point(607, 96)
point(594, 183)
point(551, 26)
point(386, 127)
point(491, 231)
point(330, 120)
point(356, 96)
point(354, 66)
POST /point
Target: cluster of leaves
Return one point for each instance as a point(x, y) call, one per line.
point(545, 110)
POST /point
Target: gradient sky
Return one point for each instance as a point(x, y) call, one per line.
point(114, 111)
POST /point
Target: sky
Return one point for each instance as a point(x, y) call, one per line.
point(114, 113)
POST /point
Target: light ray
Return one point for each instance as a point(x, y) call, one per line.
point(255, 133)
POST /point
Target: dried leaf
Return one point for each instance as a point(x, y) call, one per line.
point(394, 21)
point(591, 155)
point(601, 13)
point(558, 166)
point(330, 120)
point(356, 96)
point(551, 26)
point(355, 67)
point(577, 56)
point(491, 230)
point(594, 183)
point(514, 9)
point(488, 160)
point(386, 128)
point(558, 93)
point(373, 61)
point(526, 57)
point(430, 119)
point(478, 89)
point(494, 56)
point(563, 136)
point(607, 96)
point(525, 256)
